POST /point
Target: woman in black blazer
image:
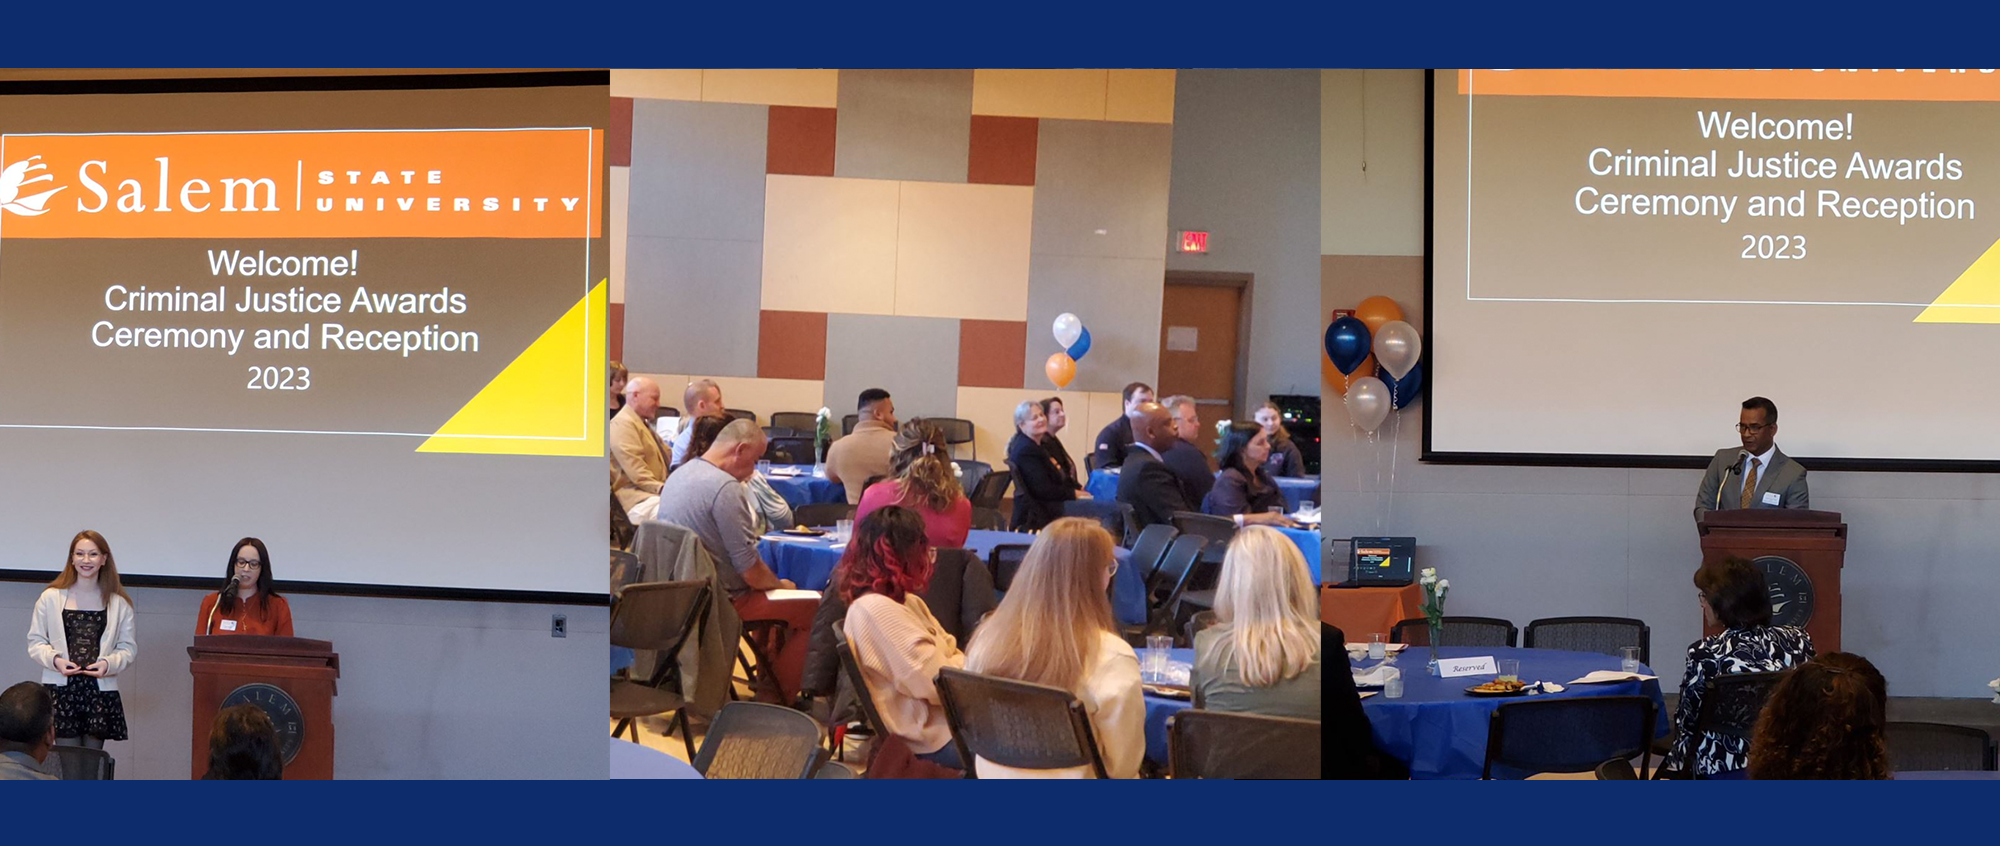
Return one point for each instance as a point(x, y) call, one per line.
point(1052, 408)
point(1040, 488)
point(1244, 489)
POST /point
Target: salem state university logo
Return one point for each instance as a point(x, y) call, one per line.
point(15, 177)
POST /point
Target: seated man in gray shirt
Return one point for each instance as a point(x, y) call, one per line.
point(27, 732)
point(706, 496)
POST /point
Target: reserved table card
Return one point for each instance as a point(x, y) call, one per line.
point(1452, 668)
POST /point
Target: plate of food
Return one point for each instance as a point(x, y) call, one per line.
point(1168, 691)
point(1499, 687)
point(804, 531)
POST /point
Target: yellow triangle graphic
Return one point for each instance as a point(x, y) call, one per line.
point(1973, 298)
point(549, 401)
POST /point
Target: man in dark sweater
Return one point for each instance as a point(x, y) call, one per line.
point(1184, 458)
point(1115, 440)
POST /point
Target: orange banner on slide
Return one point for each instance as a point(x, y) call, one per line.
point(455, 183)
point(1863, 84)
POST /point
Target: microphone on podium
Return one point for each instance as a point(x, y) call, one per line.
point(1740, 455)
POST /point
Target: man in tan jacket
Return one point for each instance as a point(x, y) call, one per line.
point(864, 453)
point(638, 458)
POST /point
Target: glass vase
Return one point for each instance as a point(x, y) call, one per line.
point(1437, 635)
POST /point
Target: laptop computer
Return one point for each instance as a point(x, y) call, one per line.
point(1380, 562)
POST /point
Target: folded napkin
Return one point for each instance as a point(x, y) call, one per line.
point(776, 536)
point(1392, 648)
point(1607, 676)
point(1304, 516)
point(1550, 687)
point(781, 594)
point(1367, 693)
point(1376, 676)
point(790, 470)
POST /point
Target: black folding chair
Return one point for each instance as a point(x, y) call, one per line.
point(1604, 635)
point(740, 414)
point(622, 530)
point(1005, 560)
point(988, 519)
point(1218, 530)
point(991, 489)
point(970, 473)
point(1151, 548)
point(855, 680)
point(1220, 744)
point(1116, 517)
point(1458, 631)
point(956, 431)
point(1616, 769)
point(760, 740)
point(1568, 735)
point(76, 763)
point(1169, 581)
point(659, 616)
point(1017, 724)
point(789, 451)
point(802, 422)
point(1730, 705)
point(1195, 624)
point(848, 423)
point(1915, 747)
point(822, 514)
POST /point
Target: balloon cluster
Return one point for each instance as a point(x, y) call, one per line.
point(1075, 340)
point(1377, 360)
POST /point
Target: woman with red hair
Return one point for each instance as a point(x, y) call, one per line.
point(898, 644)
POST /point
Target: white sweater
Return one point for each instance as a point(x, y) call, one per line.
point(1117, 707)
point(47, 638)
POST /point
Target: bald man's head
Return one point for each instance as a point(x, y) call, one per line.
point(1153, 426)
point(737, 448)
point(643, 395)
point(702, 398)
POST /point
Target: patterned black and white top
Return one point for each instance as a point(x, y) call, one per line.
point(1754, 650)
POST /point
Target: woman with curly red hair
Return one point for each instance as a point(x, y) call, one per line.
point(1825, 720)
point(897, 642)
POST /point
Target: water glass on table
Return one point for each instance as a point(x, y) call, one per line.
point(1392, 686)
point(1629, 659)
point(1377, 646)
point(843, 531)
point(764, 469)
point(1510, 669)
point(1154, 667)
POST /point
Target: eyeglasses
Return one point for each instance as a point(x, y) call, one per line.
point(249, 562)
point(1751, 428)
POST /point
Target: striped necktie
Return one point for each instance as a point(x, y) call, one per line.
point(1749, 484)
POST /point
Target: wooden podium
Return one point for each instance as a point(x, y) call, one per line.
point(1800, 554)
point(291, 678)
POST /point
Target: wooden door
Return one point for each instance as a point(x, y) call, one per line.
point(1200, 331)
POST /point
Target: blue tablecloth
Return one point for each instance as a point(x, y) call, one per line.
point(620, 658)
point(1103, 485)
point(1440, 730)
point(1308, 543)
point(809, 563)
point(630, 760)
point(1159, 708)
point(807, 489)
point(1949, 775)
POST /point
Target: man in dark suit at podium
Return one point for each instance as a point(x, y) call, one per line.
point(1756, 474)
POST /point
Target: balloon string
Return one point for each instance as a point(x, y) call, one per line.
point(1395, 449)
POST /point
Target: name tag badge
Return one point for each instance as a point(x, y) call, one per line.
point(1772, 498)
point(1452, 668)
point(228, 625)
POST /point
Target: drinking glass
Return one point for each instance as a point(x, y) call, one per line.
point(1510, 669)
point(1306, 506)
point(1392, 684)
point(843, 531)
point(1629, 661)
point(1154, 668)
point(764, 468)
point(1377, 646)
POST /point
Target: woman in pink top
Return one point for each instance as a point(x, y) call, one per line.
point(897, 643)
point(924, 482)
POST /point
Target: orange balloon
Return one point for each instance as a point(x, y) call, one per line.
point(1339, 383)
point(1061, 368)
point(1374, 312)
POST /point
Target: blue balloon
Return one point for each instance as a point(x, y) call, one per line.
point(1403, 391)
point(1348, 344)
point(1082, 345)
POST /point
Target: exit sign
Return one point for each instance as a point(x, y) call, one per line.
point(1194, 242)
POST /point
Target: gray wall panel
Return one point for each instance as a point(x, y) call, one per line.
point(875, 351)
point(698, 170)
point(904, 124)
point(691, 306)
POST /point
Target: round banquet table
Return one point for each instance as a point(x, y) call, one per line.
point(806, 488)
point(630, 760)
point(809, 563)
point(1103, 484)
point(1308, 543)
point(1159, 708)
point(1440, 730)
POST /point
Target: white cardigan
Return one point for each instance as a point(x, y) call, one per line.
point(47, 639)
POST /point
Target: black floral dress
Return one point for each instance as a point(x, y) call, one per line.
point(1754, 650)
point(81, 708)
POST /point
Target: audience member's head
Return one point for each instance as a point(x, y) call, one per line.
point(1052, 408)
point(1030, 420)
point(1244, 448)
point(1273, 422)
point(1152, 426)
point(1048, 628)
point(1187, 418)
point(921, 465)
point(28, 720)
point(737, 448)
point(243, 746)
point(1733, 594)
point(702, 398)
point(616, 380)
point(90, 558)
point(703, 435)
point(888, 554)
point(1268, 605)
point(1826, 719)
point(876, 404)
point(643, 394)
point(1137, 394)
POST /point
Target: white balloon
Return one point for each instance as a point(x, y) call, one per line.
point(1368, 403)
point(1398, 348)
point(1068, 329)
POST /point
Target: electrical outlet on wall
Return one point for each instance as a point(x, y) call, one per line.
point(558, 625)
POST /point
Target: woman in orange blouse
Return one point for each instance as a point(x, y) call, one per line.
point(248, 605)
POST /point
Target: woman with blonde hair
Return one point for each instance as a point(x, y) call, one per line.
point(921, 479)
point(1055, 628)
point(82, 634)
point(1263, 653)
